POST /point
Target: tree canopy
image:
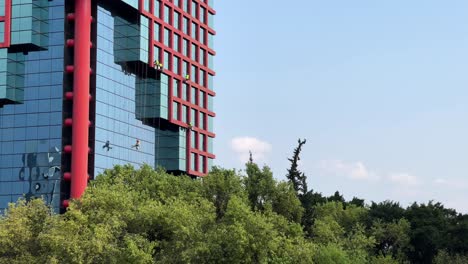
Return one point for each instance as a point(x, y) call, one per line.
point(143, 215)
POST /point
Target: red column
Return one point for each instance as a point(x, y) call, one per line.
point(79, 163)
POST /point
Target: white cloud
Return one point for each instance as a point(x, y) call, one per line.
point(352, 170)
point(359, 171)
point(260, 149)
point(404, 179)
point(440, 181)
point(456, 183)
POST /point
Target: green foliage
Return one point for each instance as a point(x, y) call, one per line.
point(392, 238)
point(443, 257)
point(259, 185)
point(150, 216)
point(147, 216)
point(429, 229)
point(297, 178)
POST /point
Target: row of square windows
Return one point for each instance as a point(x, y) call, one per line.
point(191, 7)
point(197, 119)
point(197, 97)
point(183, 46)
point(201, 142)
point(191, 29)
point(190, 72)
point(200, 163)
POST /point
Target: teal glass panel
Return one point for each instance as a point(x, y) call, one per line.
point(193, 73)
point(210, 82)
point(202, 14)
point(29, 24)
point(194, 52)
point(210, 103)
point(201, 163)
point(186, 26)
point(210, 144)
point(193, 160)
point(185, 88)
point(210, 164)
point(176, 42)
point(202, 77)
point(210, 41)
point(167, 14)
point(210, 20)
point(185, 50)
point(193, 115)
point(194, 30)
point(175, 110)
point(12, 75)
point(157, 8)
point(176, 20)
point(184, 114)
point(202, 35)
point(166, 59)
point(194, 9)
point(132, 3)
point(201, 120)
point(175, 88)
point(193, 139)
point(144, 39)
point(167, 36)
point(193, 96)
point(201, 142)
point(131, 41)
point(170, 151)
point(185, 68)
point(210, 123)
point(202, 99)
point(156, 32)
point(201, 59)
point(152, 98)
point(210, 61)
point(2, 30)
point(146, 5)
point(175, 66)
point(157, 54)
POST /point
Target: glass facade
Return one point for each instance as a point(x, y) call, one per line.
point(31, 128)
point(116, 106)
point(153, 91)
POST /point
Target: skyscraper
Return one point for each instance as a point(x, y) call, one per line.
point(86, 85)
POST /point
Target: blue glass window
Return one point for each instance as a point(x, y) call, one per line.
point(167, 14)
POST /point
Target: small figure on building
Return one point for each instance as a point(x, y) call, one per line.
point(137, 145)
point(158, 65)
point(190, 126)
point(107, 145)
point(126, 69)
point(187, 78)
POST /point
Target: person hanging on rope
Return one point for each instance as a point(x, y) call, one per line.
point(190, 126)
point(137, 145)
point(187, 78)
point(107, 145)
point(158, 65)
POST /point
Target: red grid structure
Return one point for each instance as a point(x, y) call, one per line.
point(201, 104)
point(7, 30)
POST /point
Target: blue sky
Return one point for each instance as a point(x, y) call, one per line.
point(378, 88)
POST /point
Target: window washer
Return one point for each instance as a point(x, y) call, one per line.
point(187, 78)
point(137, 145)
point(107, 145)
point(158, 66)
